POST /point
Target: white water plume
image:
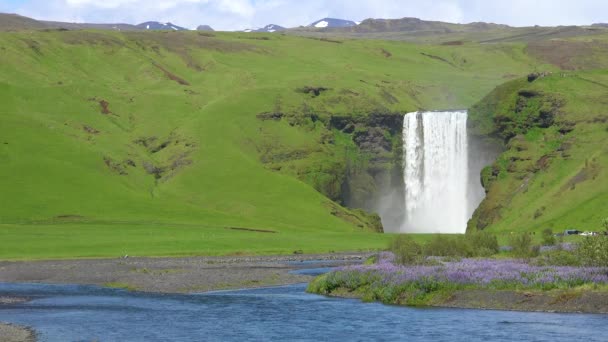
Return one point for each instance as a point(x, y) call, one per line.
point(436, 172)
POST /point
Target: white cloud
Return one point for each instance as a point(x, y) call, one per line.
point(99, 4)
point(241, 14)
point(242, 8)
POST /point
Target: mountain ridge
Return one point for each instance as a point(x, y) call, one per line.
point(408, 29)
point(270, 28)
point(332, 23)
point(155, 25)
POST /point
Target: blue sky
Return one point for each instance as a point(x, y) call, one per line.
point(241, 14)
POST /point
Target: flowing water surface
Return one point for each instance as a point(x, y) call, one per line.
point(87, 313)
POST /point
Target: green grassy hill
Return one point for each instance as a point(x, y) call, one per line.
point(553, 173)
point(160, 143)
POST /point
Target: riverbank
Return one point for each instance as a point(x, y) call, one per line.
point(592, 302)
point(500, 284)
point(175, 275)
point(163, 275)
point(16, 333)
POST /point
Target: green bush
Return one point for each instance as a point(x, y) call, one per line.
point(548, 238)
point(406, 250)
point(522, 246)
point(371, 260)
point(448, 246)
point(483, 243)
point(479, 244)
point(593, 251)
point(558, 257)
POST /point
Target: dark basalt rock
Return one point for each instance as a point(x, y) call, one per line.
point(536, 75)
point(528, 93)
point(314, 91)
point(350, 128)
point(270, 116)
point(372, 140)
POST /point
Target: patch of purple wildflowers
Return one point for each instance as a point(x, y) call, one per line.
point(481, 272)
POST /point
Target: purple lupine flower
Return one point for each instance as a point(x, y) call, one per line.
point(481, 272)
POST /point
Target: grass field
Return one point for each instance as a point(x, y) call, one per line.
point(553, 174)
point(148, 143)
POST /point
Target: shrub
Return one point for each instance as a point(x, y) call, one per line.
point(593, 251)
point(521, 245)
point(448, 246)
point(558, 257)
point(548, 238)
point(371, 260)
point(483, 243)
point(478, 244)
point(406, 250)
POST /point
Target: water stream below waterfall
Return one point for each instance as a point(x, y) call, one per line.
point(63, 313)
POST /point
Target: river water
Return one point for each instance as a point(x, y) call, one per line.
point(86, 313)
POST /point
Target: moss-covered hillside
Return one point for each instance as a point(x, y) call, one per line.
point(164, 143)
point(554, 172)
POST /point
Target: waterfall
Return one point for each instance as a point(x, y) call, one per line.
point(436, 172)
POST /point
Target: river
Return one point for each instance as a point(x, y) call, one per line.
point(87, 313)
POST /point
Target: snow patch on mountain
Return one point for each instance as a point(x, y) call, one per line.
point(332, 22)
point(155, 25)
point(268, 28)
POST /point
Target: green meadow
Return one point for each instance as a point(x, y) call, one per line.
point(152, 143)
point(553, 173)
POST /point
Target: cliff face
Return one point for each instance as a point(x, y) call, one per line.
point(374, 177)
point(553, 130)
point(358, 162)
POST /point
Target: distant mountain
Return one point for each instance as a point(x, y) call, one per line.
point(204, 28)
point(82, 26)
point(418, 30)
point(406, 29)
point(332, 22)
point(155, 25)
point(268, 28)
point(10, 22)
point(14, 22)
point(415, 24)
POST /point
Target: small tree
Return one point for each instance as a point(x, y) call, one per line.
point(593, 251)
point(522, 246)
point(406, 250)
point(484, 243)
point(548, 238)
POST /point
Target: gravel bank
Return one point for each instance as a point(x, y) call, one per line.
point(563, 301)
point(15, 333)
point(174, 275)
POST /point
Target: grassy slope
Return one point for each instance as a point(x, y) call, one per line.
point(547, 179)
point(60, 199)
